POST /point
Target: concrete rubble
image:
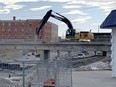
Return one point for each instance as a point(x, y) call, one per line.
point(95, 66)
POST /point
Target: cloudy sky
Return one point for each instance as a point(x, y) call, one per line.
point(85, 15)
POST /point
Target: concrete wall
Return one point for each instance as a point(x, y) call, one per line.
point(113, 55)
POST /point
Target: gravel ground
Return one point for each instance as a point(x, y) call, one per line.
point(80, 79)
point(93, 79)
point(4, 80)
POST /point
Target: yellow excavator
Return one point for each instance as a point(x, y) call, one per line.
point(70, 33)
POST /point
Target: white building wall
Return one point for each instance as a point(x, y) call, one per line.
point(113, 55)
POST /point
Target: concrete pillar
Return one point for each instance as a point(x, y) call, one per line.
point(45, 55)
point(69, 53)
point(58, 53)
point(104, 53)
point(95, 53)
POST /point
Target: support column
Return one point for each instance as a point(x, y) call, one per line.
point(104, 53)
point(95, 53)
point(45, 55)
point(23, 74)
point(69, 53)
point(58, 53)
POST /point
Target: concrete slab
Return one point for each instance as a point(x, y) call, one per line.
point(93, 79)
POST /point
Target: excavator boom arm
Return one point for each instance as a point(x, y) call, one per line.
point(63, 19)
point(69, 32)
point(43, 21)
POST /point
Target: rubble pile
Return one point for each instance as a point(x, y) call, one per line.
point(95, 66)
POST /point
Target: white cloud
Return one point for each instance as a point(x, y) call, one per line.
point(106, 5)
point(75, 12)
point(40, 8)
point(81, 20)
point(4, 11)
point(71, 6)
point(12, 5)
point(16, 1)
point(77, 2)
point(57, 0)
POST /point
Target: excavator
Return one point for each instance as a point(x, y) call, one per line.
point(70, 33)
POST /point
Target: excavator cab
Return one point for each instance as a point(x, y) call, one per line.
point(70, 33)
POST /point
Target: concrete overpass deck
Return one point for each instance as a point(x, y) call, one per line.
point(94, 46)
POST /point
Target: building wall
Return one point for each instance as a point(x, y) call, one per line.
point(24, 30)
point(113, 55)
point(46, 33)
point(54, 33)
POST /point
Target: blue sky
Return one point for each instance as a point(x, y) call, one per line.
point(85, 15)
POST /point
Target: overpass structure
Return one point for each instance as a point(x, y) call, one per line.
point(92, 46)
point(58, 46)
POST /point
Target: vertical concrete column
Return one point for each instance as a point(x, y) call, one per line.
point(94, 52)
point(46, 54)
point(69, 53)
point(58, 53)
point(23, 74)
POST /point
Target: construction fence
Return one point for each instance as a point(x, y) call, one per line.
point(42, 73)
